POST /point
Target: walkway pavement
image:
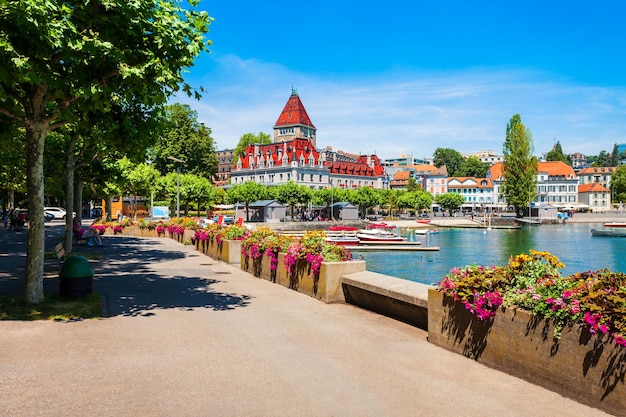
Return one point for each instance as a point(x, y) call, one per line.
point(188, 336)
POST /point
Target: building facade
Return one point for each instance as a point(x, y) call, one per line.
point(488, 157)
point(476, 192)
point(225, 161)
point(596, 175)
point(294, 157)
point(557, 183)
point(596, 196)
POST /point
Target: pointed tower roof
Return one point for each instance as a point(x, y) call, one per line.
point(294, 113)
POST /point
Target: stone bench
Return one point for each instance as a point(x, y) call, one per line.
point(398, 298)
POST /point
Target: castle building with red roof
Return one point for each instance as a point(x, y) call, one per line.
point(294, 157)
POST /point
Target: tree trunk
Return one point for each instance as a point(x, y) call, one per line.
point(10, 199)
point(78, 196)
point(70, 164)
point(35, 139)
point(109, 208)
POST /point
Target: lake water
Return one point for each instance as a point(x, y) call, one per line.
point(572, 243)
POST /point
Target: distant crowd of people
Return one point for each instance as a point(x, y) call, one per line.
point(13, 219)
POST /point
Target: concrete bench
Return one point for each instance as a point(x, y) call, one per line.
point(398, 298)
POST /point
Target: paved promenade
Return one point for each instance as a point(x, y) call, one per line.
point(188, 336)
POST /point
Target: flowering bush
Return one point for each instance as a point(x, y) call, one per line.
point(200, 235)
point(101, 228)
point(534, 282)
point(160, 229)
point(314, 249)
point(117, 229)
point(235, 232)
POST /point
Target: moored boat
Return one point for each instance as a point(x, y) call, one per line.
point(615, 224)
point(609, 232)
point(379, 232)
point(347, 240)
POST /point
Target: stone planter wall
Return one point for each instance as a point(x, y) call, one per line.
point(327, 287)
point(230, 252)
point(585, 367)
point(259, 268)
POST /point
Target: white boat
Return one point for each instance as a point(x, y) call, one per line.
point(425, 231)
point(343, 240)
point(379, 233)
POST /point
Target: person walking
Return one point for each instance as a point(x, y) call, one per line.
point(12, 219)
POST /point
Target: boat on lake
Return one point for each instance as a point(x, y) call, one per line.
point(380, 232)
point(342, 235)
point(343, 240)
point(614, 224)
point(609, 232)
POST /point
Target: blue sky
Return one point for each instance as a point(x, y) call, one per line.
point(411, 76)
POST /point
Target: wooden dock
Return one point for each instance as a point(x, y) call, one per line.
point(391, 243)
point(408, 248)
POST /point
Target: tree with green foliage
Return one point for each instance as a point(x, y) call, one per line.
point(452, 159)
point(246, 193)
point(604, 159)
point(390, 197)
point(412, 185)
point(450, 201)
point(473, 167)
point(366, 198)
point(184, 137)
point(556, 154)
point(519, 167)
point(251, 139)
point(615, 156)
point(12, 161)
point(292, 194)
point(618, 184)
point(139, 180)
point(417, 200)
point(59, 59)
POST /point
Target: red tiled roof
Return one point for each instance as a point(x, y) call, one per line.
point(470, 182)
point(402, 175)
point(597, 170)
point(294, 113)
point(303, 148)
point(556, 168)
point(552, 168)
point(593, 187)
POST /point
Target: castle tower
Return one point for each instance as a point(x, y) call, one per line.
point(294, 122)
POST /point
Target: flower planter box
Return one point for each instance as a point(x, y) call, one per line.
point(229, 251)
point(148, 233)
point(260, 268)
point(583, 366)
point(212, 249)
point(327, 287)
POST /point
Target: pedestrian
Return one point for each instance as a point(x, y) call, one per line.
point(20, 221)
point(5, 218)
point(12, 219)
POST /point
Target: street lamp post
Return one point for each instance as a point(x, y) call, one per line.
point(180, 162)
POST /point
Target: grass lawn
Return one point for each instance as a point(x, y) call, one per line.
point(54, 307)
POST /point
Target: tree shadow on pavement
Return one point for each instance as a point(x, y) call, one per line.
point(136, 277)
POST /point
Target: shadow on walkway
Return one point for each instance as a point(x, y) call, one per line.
point(134, 276)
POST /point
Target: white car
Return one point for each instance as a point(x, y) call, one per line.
point(57, 212)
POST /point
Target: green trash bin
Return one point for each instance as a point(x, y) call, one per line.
point(75, 278)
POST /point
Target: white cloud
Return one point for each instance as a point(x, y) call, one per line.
point(413, 112)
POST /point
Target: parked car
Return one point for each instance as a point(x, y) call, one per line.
point(57, 212)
